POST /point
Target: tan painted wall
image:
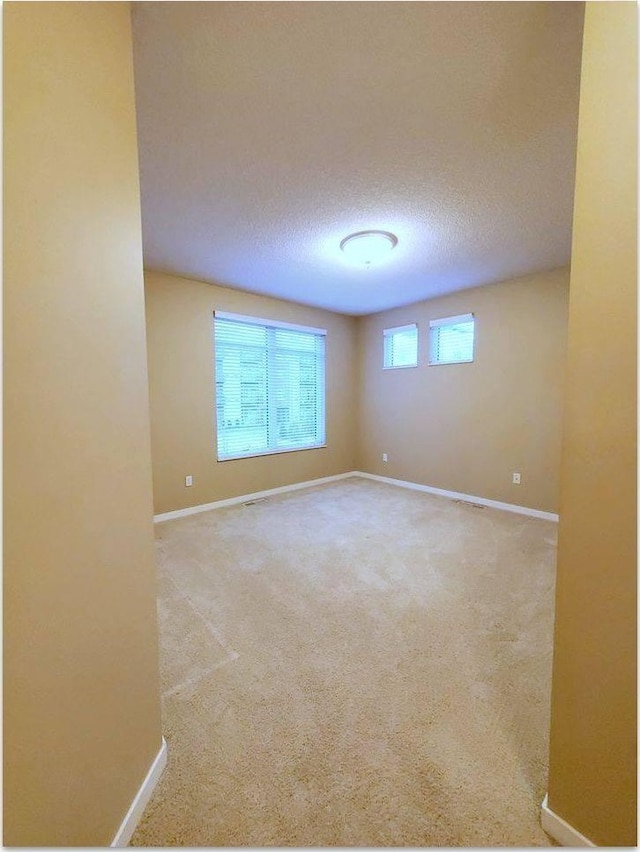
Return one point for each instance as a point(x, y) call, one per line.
point(468, 427)
point(592, 783)
point(181, 376)
point(81, 693)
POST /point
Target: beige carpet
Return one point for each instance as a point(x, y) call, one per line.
point(354, 664)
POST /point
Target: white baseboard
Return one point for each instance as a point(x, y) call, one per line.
point(141, 800)
point(402, 483)
point(456, 495)
point(559, 829)
point(234, 501)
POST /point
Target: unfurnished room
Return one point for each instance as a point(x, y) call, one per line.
point(320, 424)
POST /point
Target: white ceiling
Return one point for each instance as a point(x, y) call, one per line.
point(268, 131)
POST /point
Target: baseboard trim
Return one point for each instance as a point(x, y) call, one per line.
point(243, 498)
point(559, 829)
point(402, 483)
point(141, 799)
point(457, 495)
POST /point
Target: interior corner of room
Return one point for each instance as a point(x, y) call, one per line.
point(436, 428)
point(320, 388)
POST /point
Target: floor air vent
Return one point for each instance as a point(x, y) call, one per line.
point(469, 503)
point(257, 500)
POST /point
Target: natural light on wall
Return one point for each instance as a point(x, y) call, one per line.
point(451, 339)
point(270, 386)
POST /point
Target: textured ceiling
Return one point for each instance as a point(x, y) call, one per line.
point(269, 131)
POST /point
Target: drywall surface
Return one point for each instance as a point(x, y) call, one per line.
point(81, 689)
point(592, 776)
point(469, 427)
point(182, 390)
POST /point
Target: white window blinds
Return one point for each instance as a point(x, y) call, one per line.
point(270, 386)
point(401, 346)
point(451, 339)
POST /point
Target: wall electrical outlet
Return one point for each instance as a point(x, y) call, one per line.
point(385, 457)
point(188, 480)
point(516, 479)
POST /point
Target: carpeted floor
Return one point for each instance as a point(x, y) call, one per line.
point(354, 664)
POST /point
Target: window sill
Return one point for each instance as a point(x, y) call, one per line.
point(277, 452)
point(402, 367)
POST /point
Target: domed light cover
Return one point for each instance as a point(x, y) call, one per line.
point(366, 248)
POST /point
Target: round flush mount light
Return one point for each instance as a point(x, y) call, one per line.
point(368, 247)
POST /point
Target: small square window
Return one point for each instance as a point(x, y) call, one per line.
point(451, 339)
point(401, 346)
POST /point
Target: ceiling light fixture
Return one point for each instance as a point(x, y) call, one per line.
point(368, 247)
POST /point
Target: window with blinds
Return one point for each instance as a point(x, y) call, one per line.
point(270, 388)
point(451, 339)
point(401, 346)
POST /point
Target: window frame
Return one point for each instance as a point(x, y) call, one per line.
point(321, 405)
point(388, 333)
point(449, 321)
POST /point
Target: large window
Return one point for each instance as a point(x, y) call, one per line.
point(451, 339)
point(269, 386)
point(401, 346)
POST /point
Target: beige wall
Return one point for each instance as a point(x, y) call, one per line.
point(592, 781)
point(81, 694)
point(468, 427)
point(181, 377)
